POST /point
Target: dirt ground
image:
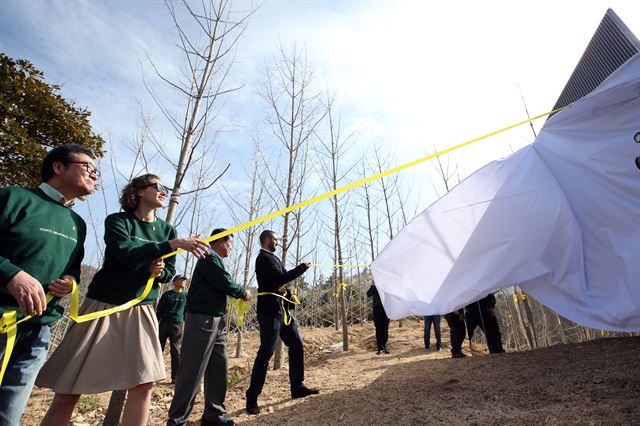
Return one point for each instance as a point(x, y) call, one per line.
point(592, 383)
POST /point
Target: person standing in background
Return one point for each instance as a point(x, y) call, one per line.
point(380, 320)
point(170, 313)
point(428, 321)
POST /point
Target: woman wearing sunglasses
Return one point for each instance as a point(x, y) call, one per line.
point(122, 350)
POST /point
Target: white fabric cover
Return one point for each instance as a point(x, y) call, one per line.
point(560, 218)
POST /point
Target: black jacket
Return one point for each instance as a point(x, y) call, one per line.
point(271, 275)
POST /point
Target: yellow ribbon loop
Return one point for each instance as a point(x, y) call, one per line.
point(295, 300)
point(75, 303)
point(242, 307)
point(341, 287)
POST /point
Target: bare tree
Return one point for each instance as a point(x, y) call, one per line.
point(202, 85)
point(209, 55)
point(294, 114)
point(249, 211)
point(333, 147)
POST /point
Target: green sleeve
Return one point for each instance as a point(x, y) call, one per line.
point(169, 263)
point(76, 264)
point(119, 243)
point(7, 269)
point(218, 277)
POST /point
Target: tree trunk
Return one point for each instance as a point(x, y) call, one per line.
point(114, 411)
point(523, 322)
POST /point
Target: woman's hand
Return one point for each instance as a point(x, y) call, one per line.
point(192, 244)
point(156, 268)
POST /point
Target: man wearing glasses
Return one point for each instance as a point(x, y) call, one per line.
point(41, 249)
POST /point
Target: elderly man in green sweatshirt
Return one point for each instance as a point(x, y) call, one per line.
point(204, 344)
point(41, 249)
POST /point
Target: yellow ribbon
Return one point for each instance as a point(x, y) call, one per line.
point(344, 265)
point(8, 321)
point(519, 298)
point(364, 181)
point(75, 302)
point(295, 300)
point(242, 307)
point(8, 318)
point(341, 286)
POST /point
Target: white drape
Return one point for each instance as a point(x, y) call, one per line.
point(560, 218)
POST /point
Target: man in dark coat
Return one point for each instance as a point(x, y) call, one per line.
point(272, 278)
point(483, 314)
point(380, 320)
point(455, 320)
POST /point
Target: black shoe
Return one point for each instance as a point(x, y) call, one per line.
point(380, 352)
point(458, 355)
point(386, 351)
point(221, 421)
point(252, 407)
point(303, 391)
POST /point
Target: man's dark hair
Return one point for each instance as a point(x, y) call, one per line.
point(265, 234)
point(219, 230)
point(63, 154)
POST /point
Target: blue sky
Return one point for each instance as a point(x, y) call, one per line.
point(414, 76)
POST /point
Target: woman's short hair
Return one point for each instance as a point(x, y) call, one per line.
point(130, 198)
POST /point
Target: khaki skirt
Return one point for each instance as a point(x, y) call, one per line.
point(116, 352)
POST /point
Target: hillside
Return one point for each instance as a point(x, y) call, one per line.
point(592, 383)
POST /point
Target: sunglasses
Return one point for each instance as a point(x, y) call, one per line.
point(158, 186)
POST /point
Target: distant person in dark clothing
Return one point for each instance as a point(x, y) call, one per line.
point(455, 320)
point(435, 320)
point(483, 314)
point(380, 320)
point(272, 280)
point(170, 313)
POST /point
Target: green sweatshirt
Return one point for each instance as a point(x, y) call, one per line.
point(171, 306)
point(131, 246)
point(210, 286)
point(41, 237)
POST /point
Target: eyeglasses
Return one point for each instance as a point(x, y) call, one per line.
point(90, 168)
point(158, 186)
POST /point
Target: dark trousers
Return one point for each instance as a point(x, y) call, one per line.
point(458, 330)
point(271, 327)
point(381, 321)
point(204, 355)
point(174, 333)
point(488, 323)
point(428, 321)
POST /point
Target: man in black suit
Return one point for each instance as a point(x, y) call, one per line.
point(272, 279)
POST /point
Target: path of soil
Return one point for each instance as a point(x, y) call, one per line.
point(592, 383)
